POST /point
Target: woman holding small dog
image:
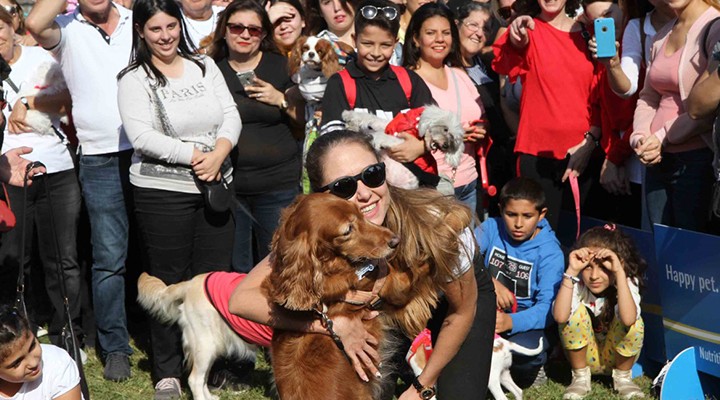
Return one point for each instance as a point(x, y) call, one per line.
point(267, 157)
point(432, 50)
point(434, 231)
point(49, 147)
point(182, 122)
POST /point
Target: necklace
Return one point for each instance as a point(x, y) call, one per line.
point(190, 23)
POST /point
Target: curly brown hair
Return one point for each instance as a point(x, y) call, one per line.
point(611, 238)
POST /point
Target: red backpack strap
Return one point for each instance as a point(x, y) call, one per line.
point(404, 79)
point(350, 88)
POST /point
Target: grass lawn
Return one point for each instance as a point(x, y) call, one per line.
point(140, 385)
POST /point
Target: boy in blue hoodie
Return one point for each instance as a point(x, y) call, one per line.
point(526, 263)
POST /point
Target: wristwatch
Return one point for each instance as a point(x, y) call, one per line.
point(25, 102)
point(425, 392)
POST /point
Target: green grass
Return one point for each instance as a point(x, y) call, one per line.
point(140, 386)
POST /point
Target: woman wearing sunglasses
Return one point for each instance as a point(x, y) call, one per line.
point(182, 123)
point(267, 159)
point(345, 164)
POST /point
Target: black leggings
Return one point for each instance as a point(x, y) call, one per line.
point(466, 375)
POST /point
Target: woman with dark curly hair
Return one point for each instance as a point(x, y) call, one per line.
point(545, 48)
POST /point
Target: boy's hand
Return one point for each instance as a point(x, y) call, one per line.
point(610, 261)
point(578, 260)
point(503, 322)
point(505, 298)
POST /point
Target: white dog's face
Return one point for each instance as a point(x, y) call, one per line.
point(314, 51)
point(438, 137)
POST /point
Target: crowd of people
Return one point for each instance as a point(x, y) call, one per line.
point(165, 103)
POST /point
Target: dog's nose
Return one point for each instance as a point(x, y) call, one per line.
point(394, 241)
point(311, 55)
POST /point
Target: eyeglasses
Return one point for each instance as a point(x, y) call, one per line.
point(345, 187)
point(238, 29)
point(505, 12)
point(12, 10)
point(472, 26)
point(371, 12)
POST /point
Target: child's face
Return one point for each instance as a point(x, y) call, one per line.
point(521, 219)
point(374, 48)
point(434, 39)
point(24, 364)
point(596, 276)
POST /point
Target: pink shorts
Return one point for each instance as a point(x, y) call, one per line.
point(218, 289)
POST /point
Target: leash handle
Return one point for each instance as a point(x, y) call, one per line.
point(575, 187)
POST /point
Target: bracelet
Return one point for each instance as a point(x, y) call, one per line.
point(574, 279)
point(569, 287)
point(590, 136)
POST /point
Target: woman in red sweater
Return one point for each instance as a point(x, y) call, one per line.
point(546, 49)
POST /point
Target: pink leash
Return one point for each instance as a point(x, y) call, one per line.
point(576, 197)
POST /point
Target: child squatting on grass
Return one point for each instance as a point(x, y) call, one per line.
point(30, 370)
point(599, 311)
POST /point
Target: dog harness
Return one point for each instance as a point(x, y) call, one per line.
point(219, 286)
point(371, 299)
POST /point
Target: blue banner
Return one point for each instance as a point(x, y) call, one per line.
point(689, 269)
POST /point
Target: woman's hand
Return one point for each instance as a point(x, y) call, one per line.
point(360, 346)
point(578, 260)
point(579, 158)
point(410, 394)
point(518, 30)
point(207, 165)
point(614, 179)
point(649, 150)
point(610, 261)
point(475, 132)
point(407, 151)
point(13, 167)
point(279, 11)
point(505, 298)
point(16, 122)
point(609, 62)
point(265, 93)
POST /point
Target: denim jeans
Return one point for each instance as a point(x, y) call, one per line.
point(265, 208)
point(679, 189)
point(181, 238)
point(467, 194)
point(106, 189)
point(65, 206)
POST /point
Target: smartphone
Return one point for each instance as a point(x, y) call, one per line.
point(605, 37)
point(246, 78)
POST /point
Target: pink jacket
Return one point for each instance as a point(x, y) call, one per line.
point(693, 63)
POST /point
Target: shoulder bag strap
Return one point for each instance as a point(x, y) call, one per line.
point(350, 88)
point(404, 80)
point(643, 38)
point(705, 36)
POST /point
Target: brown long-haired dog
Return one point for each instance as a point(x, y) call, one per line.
point(320, 256)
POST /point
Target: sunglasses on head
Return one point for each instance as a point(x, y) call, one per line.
point(345, 187)
point(238, 29)
point(12, 10)
point(371, 12)
point(505, 12)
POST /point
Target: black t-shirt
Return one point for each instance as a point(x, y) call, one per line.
point(383, 97)
point(267, 156)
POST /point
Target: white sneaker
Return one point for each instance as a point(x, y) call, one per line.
point(580, 385)
point(623, 384)
point(41, 332)
point(83, 356)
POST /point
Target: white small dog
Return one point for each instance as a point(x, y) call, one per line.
point(205, 333)
point(439, 129)
point(47, 80)
point(500, 367)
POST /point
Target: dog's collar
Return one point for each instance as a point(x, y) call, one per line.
point(369, 299)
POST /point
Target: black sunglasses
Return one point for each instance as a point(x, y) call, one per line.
point(505, 12)
point(345, 187)
point(238, 29)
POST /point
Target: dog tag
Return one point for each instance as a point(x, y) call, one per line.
point(370, 267)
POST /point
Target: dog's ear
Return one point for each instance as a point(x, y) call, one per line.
point(329, 59)
point(346, 48)
point(293, 282)
point(295, 58)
